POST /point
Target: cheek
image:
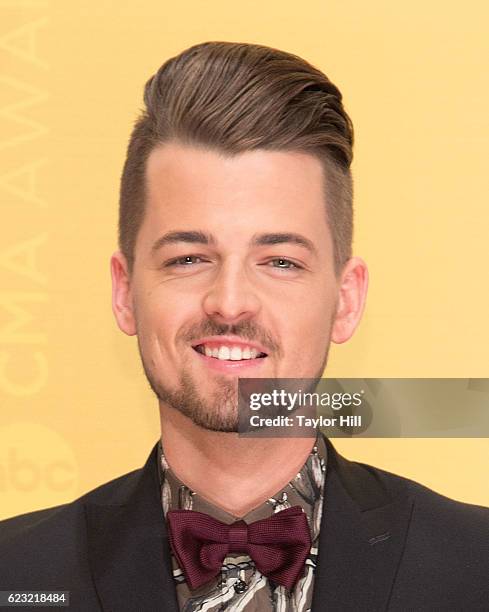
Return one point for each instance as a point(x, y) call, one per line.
point(306, 327)
point(158, 319)
point(171, 317)
point(312, 312)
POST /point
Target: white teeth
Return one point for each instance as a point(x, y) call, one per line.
point(224, 353)
point(236, 353)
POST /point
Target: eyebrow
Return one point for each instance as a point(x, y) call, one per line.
point(199, 237)
point(283, 238)
point(195, 237)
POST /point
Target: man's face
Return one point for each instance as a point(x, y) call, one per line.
point(233, 276)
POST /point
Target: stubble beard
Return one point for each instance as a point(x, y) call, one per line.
point(216, 413)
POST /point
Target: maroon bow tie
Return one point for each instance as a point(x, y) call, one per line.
point(278, 545)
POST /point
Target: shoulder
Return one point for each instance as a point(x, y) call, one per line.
point(372, 487)
point(446, 548)
point(428, 501)
point(435, 519)
point(113, 492)
point(428, 504)
point(446, 551)
point(54, 540)
point(443, 532)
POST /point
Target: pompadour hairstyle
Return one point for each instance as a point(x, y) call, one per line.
point(236, 97)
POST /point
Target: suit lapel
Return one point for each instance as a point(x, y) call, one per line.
point(363, 531)
point(129, 553)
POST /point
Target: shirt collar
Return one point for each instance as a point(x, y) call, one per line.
point(306, 489)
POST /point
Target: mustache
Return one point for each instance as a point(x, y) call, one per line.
point(247, 330)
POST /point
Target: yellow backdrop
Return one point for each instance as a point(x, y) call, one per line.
point(75, 406)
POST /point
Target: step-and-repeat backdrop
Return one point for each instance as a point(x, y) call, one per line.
point(76, 409)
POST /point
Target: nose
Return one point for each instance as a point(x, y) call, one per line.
point(232, 297)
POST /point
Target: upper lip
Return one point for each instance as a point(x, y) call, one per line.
point(232, 341)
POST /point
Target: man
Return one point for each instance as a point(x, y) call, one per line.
point(235, 262)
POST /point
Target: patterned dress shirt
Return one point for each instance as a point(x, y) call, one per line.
point(240, 587)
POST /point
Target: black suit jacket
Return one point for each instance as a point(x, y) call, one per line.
point(386, 543)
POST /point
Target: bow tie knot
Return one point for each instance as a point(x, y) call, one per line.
point(238, 537)
point(278, 545)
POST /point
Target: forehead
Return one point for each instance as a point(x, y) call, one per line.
point(270, 190)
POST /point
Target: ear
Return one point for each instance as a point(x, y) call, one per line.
point(353, 287)
point(122, 305)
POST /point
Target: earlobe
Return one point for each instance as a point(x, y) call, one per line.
point(351, 300)
point(122, 306)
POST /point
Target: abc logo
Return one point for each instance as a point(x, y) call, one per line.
point(37, 468)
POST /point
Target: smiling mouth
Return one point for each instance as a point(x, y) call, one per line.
point(229, 353)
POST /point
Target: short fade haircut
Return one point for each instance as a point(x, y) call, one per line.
point(237, 97)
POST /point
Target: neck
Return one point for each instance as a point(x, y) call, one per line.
point(232, 472)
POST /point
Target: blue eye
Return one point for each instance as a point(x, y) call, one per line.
point(280, 263)
point(284, 264)
point(184, 261)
